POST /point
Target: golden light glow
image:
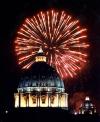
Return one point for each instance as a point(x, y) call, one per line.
point(40, 58)
point(29, 100)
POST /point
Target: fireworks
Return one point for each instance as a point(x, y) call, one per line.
point(62, 39)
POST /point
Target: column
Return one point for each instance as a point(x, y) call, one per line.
point(48, 99)
point(19, 100)
point(57, 100)
point(38, 99)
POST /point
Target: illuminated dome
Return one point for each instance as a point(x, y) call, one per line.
point(41, 86)
point(40, 77)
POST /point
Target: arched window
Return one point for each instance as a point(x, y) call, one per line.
point(52, 99)
point(34, 99)
point(43, 98)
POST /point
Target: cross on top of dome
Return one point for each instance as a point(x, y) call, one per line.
point(40, 50)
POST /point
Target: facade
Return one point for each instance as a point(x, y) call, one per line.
point(87, 107)
point(41, 86)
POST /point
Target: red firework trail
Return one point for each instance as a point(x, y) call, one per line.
point(62, 39)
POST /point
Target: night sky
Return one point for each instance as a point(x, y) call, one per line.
point(13, 13)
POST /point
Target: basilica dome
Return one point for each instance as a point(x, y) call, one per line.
point(40, 86)
point(40, 77)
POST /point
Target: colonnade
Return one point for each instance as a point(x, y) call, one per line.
point(41, 100)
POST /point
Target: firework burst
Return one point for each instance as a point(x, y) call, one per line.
point(62, 39)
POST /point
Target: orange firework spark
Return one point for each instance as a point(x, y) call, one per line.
point(62, 39)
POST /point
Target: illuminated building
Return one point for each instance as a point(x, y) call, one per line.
point(41, 86)
point(87, 107)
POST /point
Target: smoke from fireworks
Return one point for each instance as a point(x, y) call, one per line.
point(77, 100)
point(62, 39)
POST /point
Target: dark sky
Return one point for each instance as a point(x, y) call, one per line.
point(13, 13)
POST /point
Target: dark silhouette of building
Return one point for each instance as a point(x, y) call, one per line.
point(87, 107)
point(41, 97)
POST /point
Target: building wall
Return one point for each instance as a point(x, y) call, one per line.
point(64, 100)
point(33, 100)
point(44, 101)
point(54, 100)
point(23, 102)
point(16, 98)
point(47, 100)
